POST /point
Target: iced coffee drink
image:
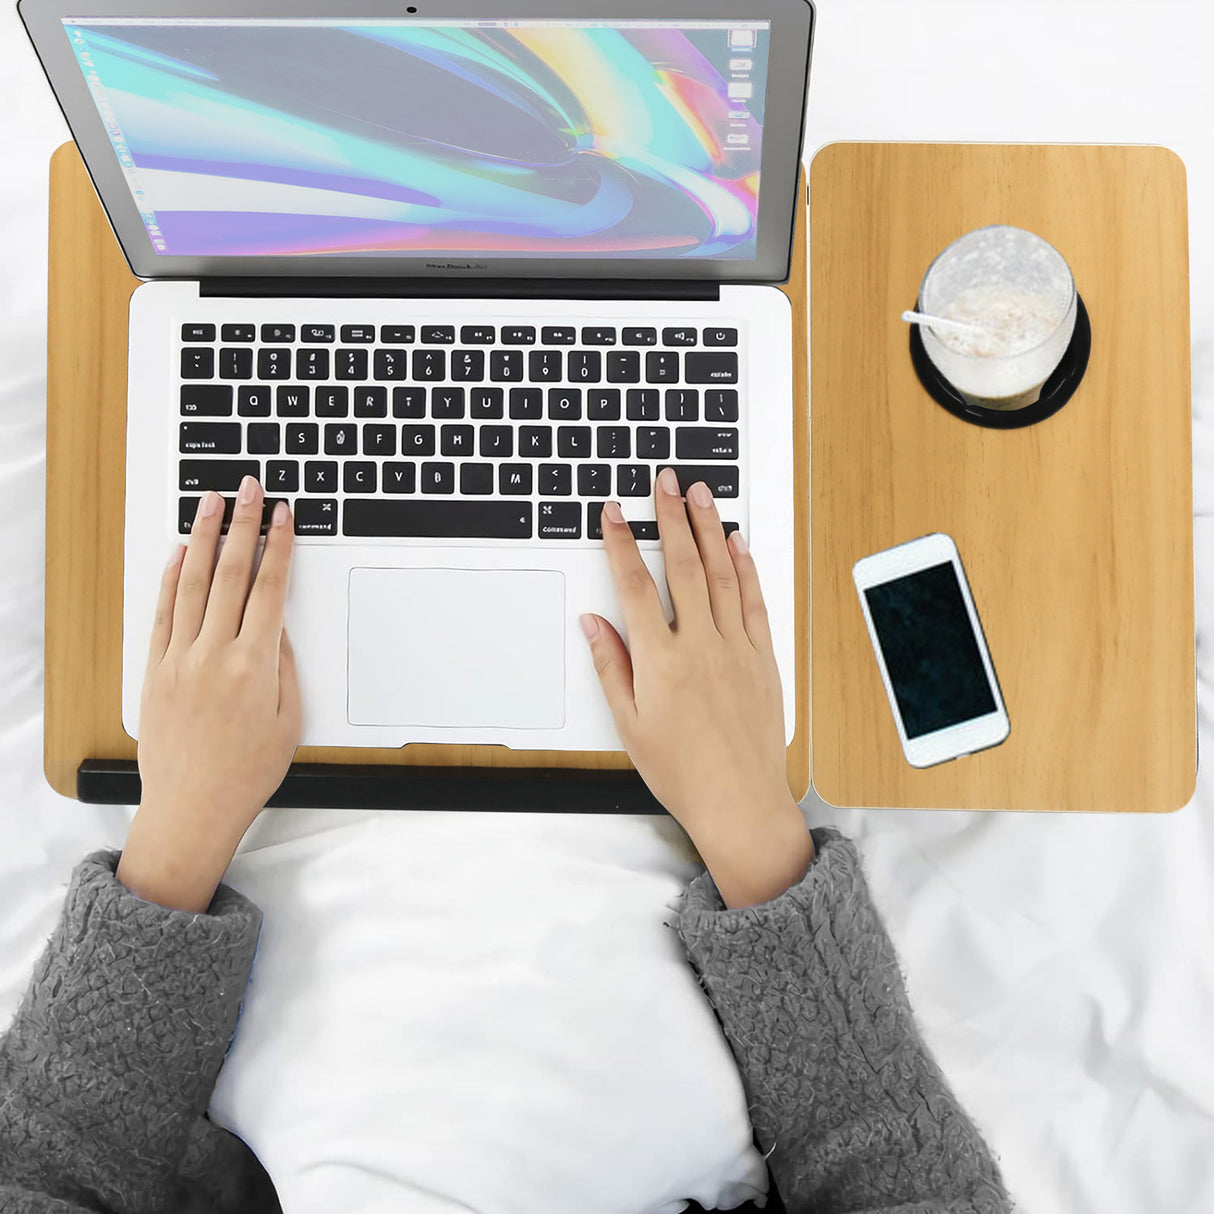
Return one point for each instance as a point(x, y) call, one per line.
point(1017, 292)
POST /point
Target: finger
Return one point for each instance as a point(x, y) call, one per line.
point(230, 585)
point(719, 571)
point(162, 623)
point(754, 610)
point(638, 595)
point(684, 569)
point(194, 583)
point(288, 679)
point(614, 667)
point(267, 599)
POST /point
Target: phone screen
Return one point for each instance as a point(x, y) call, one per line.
point(930, 651)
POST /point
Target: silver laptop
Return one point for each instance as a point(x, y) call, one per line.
point(447, 277)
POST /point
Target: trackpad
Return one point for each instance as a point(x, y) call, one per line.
point(457, 648)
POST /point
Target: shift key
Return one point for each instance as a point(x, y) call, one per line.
point(222, 475)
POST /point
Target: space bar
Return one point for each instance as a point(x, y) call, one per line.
point(436, 519)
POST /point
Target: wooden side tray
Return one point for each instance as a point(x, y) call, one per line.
point(1076, 533)
point(87, 753)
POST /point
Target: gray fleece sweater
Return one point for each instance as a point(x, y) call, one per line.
point(107, 1069)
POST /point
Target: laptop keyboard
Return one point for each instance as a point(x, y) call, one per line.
point(512, 432)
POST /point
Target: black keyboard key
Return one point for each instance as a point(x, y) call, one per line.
point(573, 442)
point(359, 476)
point(277, 335)
point(516, 335)
point(662, 367)
point(560, 521)
point(644, 405)
point(624, 367)
point(476, 479)
point(526, 404)
point(632, 480)
point(477, 335)
point(535, 442)
point(358, 333)
point(614, 442)
point(487, 403)
point(679, 337)
point(594, 480)
point(282, 476)
point(497, 442)
point(408, 402)
point(316, 516)
point(720, 337)
point(721, 405)
point(370, 402)
point(197, 332)
point(438, 478)
point(314, 334)
point(341, 438)
point(558, 335)
point(303, 438)
point(720, 478)
point(598, 335)
point(213, 438)
point(642, 529)
point(379, 440)
point(438, 335)
point(585, 367)
point(397, 335)
point(422, 519)
point(222, 475)
point(332, 402)
point(457, 441)
point(416, 440)
point(320, 476)
point(700, 442)
point(350, 364)
point(273, 364)
point(311, 364)
point(682, 405)
point(187, 511)
point(253, 401)
point(238, 333)
point(565, 404)
point(197, 362)
point(263, 438)
point(429, 364)
point(546, 366)
point(235, 362)
point(514, 479)
point(653, 442)
point(556, 480)
point(467, 365)
point(400, 478)
point(640, 337)
point(712, 368)
point(390, 364)
point(505, 365)
point(294, 401)
point(206, 400)
point(447, 402)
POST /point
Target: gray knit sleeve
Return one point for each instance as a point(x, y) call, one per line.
point(116, 1046)
point(843, 1093)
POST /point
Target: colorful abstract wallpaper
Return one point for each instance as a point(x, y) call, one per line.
point(522, 140)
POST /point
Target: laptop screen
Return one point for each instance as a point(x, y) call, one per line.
point(389, 138)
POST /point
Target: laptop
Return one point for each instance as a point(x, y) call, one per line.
point(447, 277)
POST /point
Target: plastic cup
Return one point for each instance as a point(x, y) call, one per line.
point(1020, 290)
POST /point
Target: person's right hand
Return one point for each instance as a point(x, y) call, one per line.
point(698, 703)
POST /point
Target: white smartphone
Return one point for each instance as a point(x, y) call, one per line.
point(930, 648)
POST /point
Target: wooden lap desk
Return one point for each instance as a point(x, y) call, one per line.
point(1076, 533)
point(89, 289)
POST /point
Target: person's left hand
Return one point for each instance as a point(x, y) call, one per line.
point(220, 715)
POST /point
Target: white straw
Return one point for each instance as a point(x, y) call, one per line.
point(941, 322)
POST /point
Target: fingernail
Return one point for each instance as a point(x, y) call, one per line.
point(280, 515)
point(668, 482)
point(740, 546)
point(178, 553)
point(208, 504)
point(248, 491)
point(590, 626)
point(612, 512)
point(700, 494)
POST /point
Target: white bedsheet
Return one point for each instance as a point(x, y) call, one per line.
point(1061, 965)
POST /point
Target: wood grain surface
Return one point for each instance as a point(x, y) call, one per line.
point(1076, 533)
point(89, 290)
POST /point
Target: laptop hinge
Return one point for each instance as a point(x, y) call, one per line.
point(466, 288)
